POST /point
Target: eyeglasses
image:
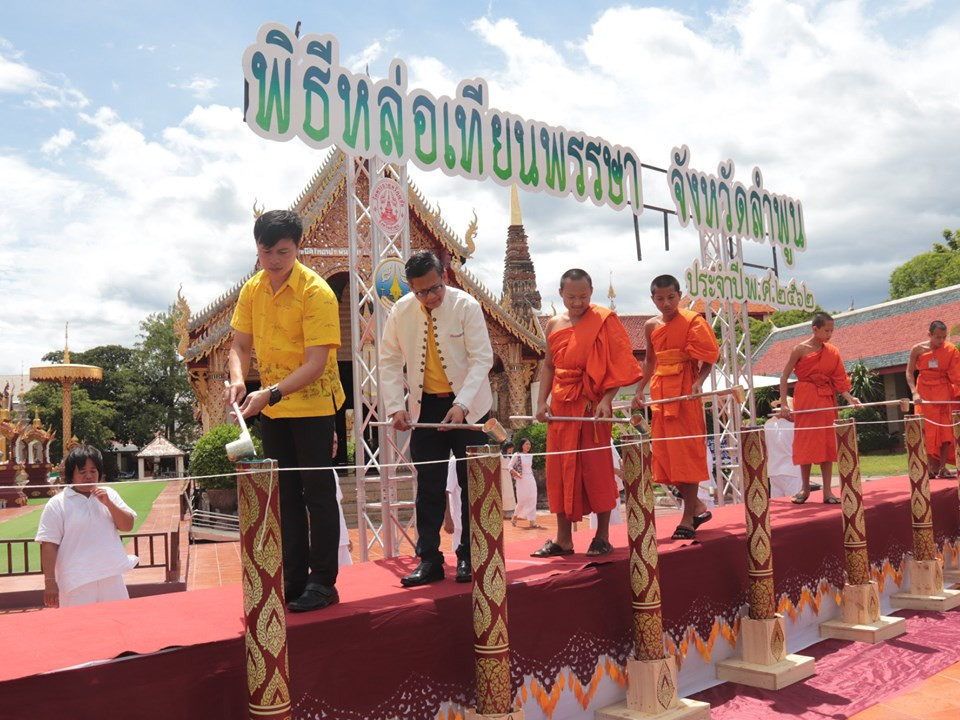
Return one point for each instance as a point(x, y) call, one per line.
point(435, 290)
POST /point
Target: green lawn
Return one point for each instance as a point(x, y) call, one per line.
point(139, 496)
point(872, 466)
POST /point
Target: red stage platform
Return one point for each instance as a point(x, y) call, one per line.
point(387, 652)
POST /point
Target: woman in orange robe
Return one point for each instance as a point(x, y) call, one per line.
point(681, 348)
point(820, 377)
point(933, 372)
point(589, 357)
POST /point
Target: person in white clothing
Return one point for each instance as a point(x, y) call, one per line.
point(784, 476)
point(81, 553)
point(521, 467)
point(343, 557)
point(506, 481)
point(451, 521)
point(616, 517)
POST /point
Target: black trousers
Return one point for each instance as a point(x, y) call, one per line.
point(425, 445)
point(310, 546)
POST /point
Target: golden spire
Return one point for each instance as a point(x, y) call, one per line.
point(66, 344)
point(611, 294)
point(515, 217)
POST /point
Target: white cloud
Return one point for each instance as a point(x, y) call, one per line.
point(198, 86)
point(359, 62)
point(59, 142)
point(42, 90)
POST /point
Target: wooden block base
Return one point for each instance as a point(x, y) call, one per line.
point(764, 641)
point(925, 576)
point(951, 576)
point(881, 629)
point(791, 669)
point(861, 604)
point(474, 715)
point(685, 710)
point(944, 600)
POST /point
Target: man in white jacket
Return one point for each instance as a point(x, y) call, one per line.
point(440, 335)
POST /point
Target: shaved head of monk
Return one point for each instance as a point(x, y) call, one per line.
point(938, 334)
point(576, 290)
point(665, 291)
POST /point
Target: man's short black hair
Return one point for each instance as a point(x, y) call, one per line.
point(421, 263)
point(938, 325)
point(276, 225)
point(820, 319)
point(574, 274)
point(662, 282)
point(77, 459)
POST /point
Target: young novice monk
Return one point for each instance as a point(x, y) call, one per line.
point(938, 364)
point(820, 377)
point(589, 357)
point(681, 349)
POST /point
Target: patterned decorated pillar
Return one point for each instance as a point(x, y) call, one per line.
point(851, 491)
point(924, 547)
point(652, 676)
point(642, 532)
point(756, 492)
point(860, 618)
point(765, 662)
point(491, 641)
point(261, 554)
point(925, 590)
point(953, 574)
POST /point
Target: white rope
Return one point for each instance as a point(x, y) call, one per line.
point(412, 464)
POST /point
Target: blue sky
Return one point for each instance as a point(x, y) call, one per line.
point(126, 170)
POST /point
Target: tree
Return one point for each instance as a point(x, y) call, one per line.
point(167, 399)
point(865, 384)
point(144, 389)
point(931, 270)
point(92, 420)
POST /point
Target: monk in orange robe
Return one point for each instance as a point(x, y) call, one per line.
point(933, 373)
point(681, 349)
point(820, 377)
point(589, 357)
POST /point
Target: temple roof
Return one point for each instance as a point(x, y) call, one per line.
point(210, 328)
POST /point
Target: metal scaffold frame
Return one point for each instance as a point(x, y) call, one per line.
point(734, 367)
point(384, 460)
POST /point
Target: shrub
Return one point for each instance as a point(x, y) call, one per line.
point(872, 437)
point(209, 457)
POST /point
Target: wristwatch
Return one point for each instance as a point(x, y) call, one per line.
point(275, 395)
point(462, 407)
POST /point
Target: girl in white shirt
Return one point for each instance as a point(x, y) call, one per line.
point(521, 467)
point(80, 549)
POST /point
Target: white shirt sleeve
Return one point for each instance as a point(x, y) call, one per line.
point(51, 523)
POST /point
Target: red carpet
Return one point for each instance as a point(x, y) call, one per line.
point(850, 676)
point(387, 652)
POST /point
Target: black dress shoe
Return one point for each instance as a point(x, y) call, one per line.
point(426, 572)
point(464, 573)
point(314, 597)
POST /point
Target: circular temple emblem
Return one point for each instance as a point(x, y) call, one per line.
point(388, 206)
point(391, 281)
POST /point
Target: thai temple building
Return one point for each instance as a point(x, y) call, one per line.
point(511, 315)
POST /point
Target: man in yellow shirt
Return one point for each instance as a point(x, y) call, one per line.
point(289, 316)
point(439, 334)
